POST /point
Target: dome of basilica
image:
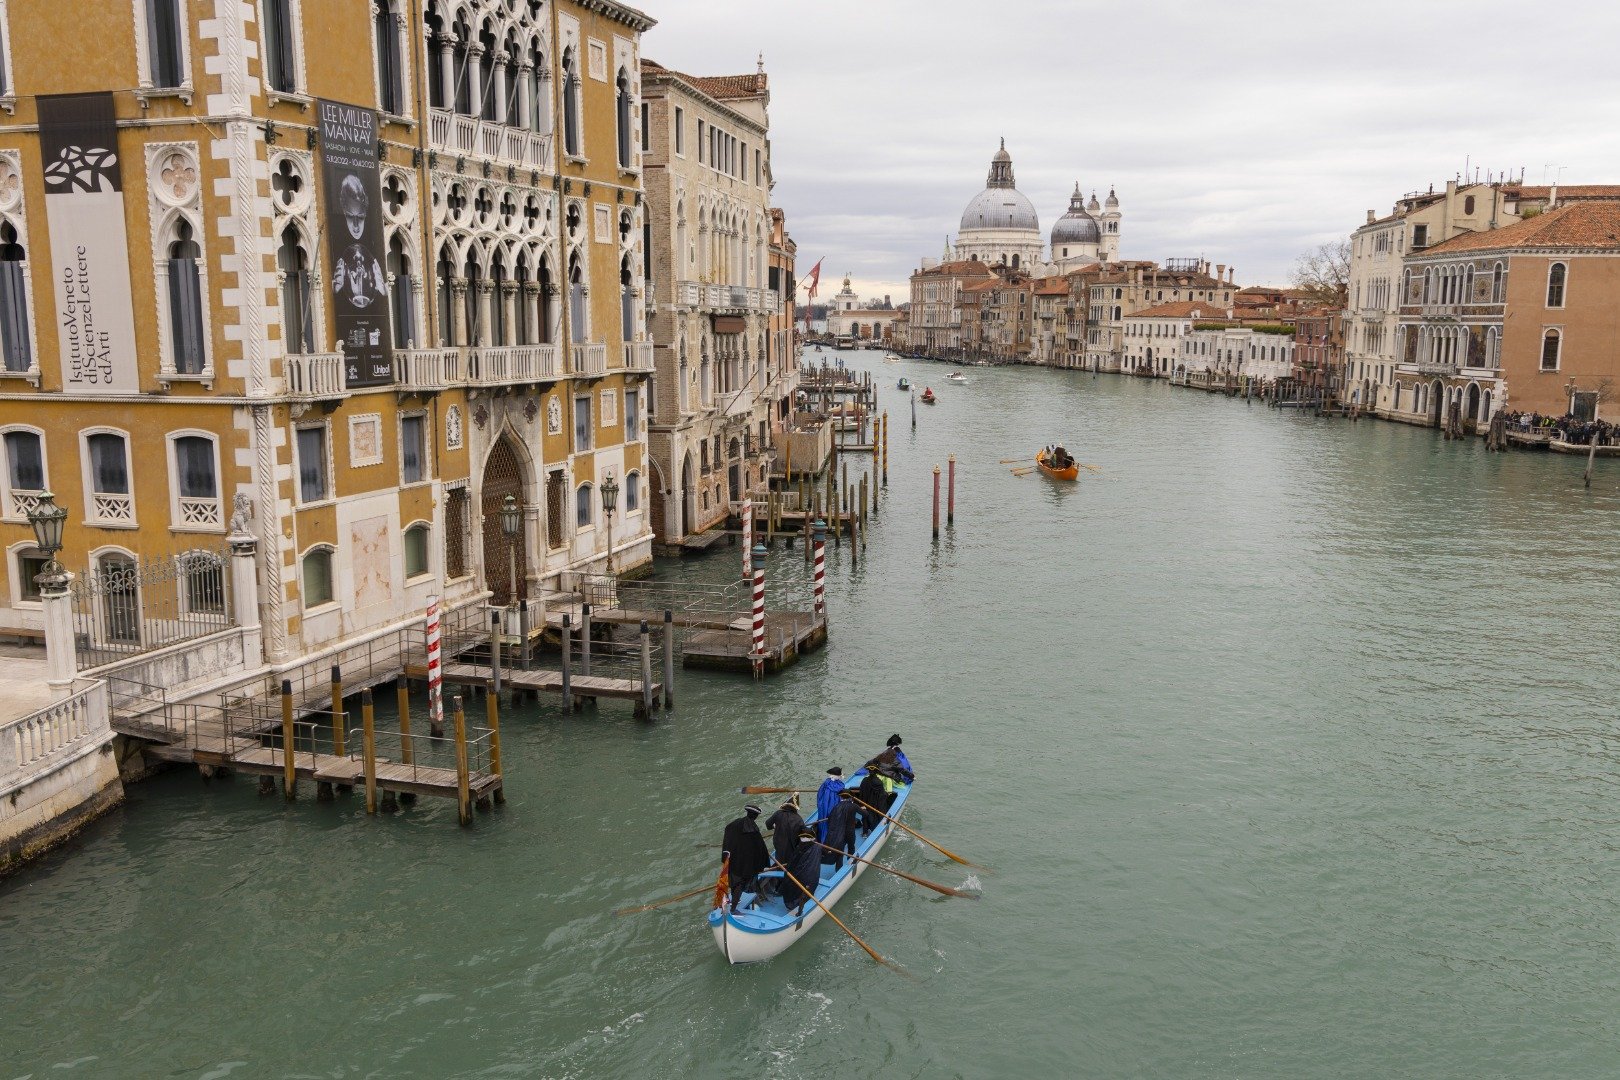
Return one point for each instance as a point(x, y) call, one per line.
point(1077, 226)
point(1000, 205)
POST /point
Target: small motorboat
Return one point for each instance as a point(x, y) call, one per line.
point(928, 395)
point(890, 358)
point(956, 377)
point(905, 383)
point(758, 929)
point(1057, 463)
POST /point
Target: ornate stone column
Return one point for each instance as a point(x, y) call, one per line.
point(525, 103)
point(458, 311)
point(245, 582)
point(508, 302)
point(475, 88)
point(61, 662)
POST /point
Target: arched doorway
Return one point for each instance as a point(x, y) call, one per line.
point(504, 474)
point(1472, 410)
point(1437, 402)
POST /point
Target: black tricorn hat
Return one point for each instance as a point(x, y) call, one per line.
point(836, 770)
point(894, 740)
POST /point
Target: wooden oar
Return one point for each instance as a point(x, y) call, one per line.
point(924, 882)
point(1083, 465)
point(1012, 460)
point(756, 790)
point(661, 903)
point(827, 911)
point(948, 854)
point(1024, 471)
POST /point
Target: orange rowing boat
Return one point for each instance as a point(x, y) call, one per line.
point(1052, 461)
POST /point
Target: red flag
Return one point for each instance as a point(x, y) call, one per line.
point(813, 279)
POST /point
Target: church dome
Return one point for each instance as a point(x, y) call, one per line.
point(1000, 205)
point(1077, 226)
point(1000, 208)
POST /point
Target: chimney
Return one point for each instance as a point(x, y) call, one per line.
point(1372, 216)
point(1220, 269)
point(1231, 275)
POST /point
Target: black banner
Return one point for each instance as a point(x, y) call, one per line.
point(84, 202)
point(353, 184)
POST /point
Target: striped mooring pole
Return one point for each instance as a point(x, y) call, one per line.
point(435, 676)
point(821, 567)
point(758, 652)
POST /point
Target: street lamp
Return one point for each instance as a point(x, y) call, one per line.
point(47, 520)
point(511, 525)
point(610, 502)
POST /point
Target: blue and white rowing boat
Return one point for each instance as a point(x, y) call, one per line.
point(760, 929)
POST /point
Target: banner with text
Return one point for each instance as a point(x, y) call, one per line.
point(353, 185)
point(84, 209)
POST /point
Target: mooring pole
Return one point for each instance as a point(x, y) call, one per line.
point(492, 716)
point(584, 639)
point(914, 410)
point(289, 771)
point(820, 576)
point(494, 652)
point(646, 672)
point(669, 659)
point(567, 647)
point(337, 710)
point(936, 502)
point(758, 651)
point(950, 505)
point(464, 810)
point(403, 696)
point(368, 748)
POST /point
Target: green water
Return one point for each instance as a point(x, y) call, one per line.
point(1291, 744)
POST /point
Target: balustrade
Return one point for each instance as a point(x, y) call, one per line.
point(458, 134)
point(589, 359)
point(314, 374)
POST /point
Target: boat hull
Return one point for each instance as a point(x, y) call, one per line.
point(1070, 473)
point(747, 939)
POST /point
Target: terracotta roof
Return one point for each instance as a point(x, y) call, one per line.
point(1576, 225)
point(1180, 309)
point(981, 286)
point(1568, 191)
point(1052, 287)
point(719, 87)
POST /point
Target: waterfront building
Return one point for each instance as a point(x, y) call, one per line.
point(1151, 339)
point(783, 282)
point(1228, 350)
point(358, 271)
point(935, 324)
point(1319, 352)
point(722, 371)
point(999, 226)
point(1419, 220)
point(851, 321)
point(1120, 289)
point(1051, 314)
point(1522, 317)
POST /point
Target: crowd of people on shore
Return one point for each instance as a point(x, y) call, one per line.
point(1566, 428)
point(799, 849)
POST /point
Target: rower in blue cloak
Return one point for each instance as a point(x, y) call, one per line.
point(826, 799)
point(900, 756)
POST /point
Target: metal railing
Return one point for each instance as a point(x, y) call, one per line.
point(430, 755)
point(314, 374)
point(33, 744)
point(127, 607)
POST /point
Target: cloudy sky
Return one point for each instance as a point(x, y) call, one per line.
point(1245, 133)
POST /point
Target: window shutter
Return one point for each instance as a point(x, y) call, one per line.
point(306, 320)
point(163, 28)
point(185, 316)
point(14, 317)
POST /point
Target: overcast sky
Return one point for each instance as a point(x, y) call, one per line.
point(1245, 133)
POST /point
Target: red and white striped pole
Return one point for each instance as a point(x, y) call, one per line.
point(748, 538)
point(821, 567)
point(758, 653)
point(435, 675)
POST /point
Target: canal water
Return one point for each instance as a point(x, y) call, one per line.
point(1290, 742)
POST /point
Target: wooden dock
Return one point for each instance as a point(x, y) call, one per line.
point(550, 682)
point(787, 636)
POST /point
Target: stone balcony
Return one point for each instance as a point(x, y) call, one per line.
point(510, 365)
point(638, 356)
point(737, 299)
point(426, 371)
point(313, 375)
point(588, 360)
point(454, 133)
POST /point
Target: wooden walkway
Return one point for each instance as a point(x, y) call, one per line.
point(550, 682)
point(250, 756)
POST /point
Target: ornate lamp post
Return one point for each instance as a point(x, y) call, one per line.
point(47, 520)
point(610, 502)
point(512, 526)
